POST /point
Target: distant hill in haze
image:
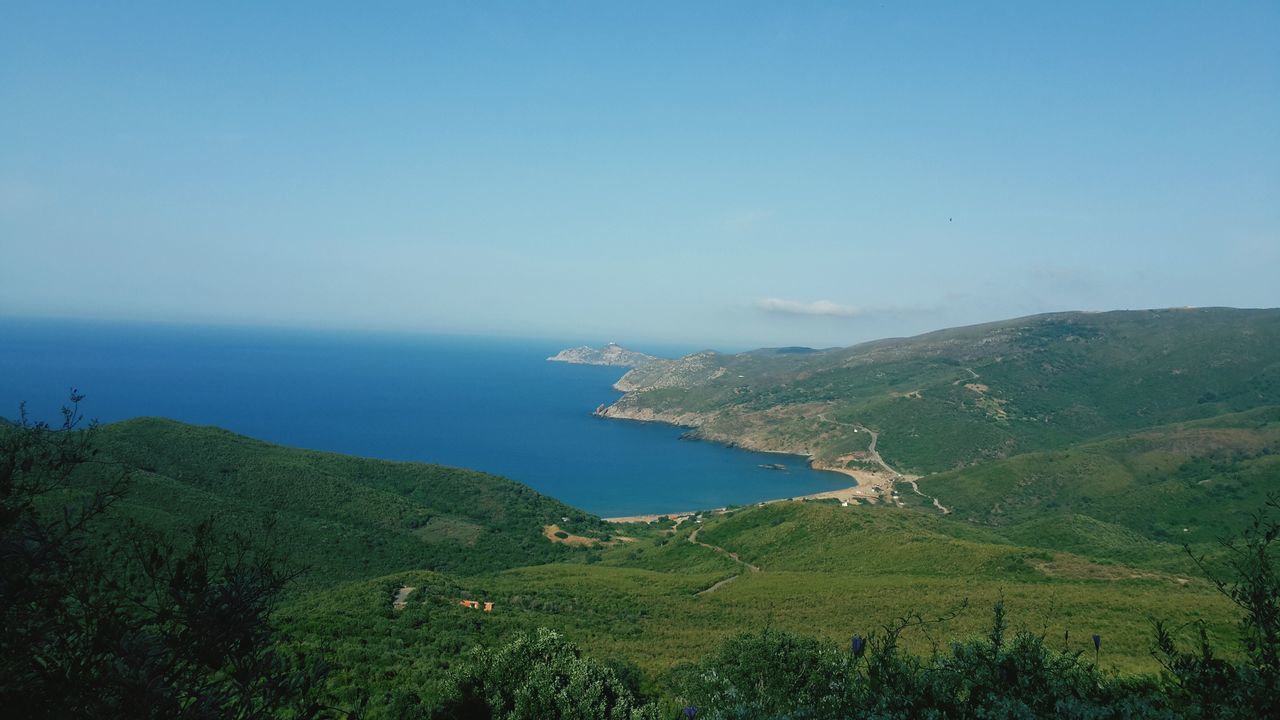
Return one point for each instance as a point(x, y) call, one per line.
point(968, 395)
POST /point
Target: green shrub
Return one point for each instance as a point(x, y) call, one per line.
point(138, 625)
point(538, 676)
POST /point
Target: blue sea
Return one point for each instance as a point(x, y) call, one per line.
point(490, 404)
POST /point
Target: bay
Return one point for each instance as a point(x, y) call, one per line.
point(490, 404)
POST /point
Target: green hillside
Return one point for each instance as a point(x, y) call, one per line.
point(968, 395)
point(1189, 482)
point(340, 517)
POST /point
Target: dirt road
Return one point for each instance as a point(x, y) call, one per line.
point(693, 538)
point(875, 456)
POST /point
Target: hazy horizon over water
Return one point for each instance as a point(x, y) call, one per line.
point(489, 404)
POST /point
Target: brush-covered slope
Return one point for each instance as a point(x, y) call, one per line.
point(342, 517)
point(1189, 482)
point(967, 395)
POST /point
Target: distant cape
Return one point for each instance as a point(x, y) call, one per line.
point(611, 354)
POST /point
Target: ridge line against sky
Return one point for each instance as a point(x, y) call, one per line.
point(659, 346)
point(729, 174)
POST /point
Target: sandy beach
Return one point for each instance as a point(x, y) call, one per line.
point(863, 490)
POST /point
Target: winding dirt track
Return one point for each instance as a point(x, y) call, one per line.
point(693, 538)
point(875, 455)
point(718, 585)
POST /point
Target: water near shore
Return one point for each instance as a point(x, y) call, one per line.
point(490, 404)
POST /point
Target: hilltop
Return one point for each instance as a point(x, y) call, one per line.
point(610, 354)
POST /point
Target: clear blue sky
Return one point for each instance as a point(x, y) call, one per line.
point(707, 173)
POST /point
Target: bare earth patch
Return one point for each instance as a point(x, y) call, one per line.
point(402, 597)
point(992, 405)
point(1070, 566)
point(549, 531)
point(677, 518)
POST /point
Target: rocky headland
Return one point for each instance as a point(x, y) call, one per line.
point(611, 354)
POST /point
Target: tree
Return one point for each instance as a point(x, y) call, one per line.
point(98, 622)
point(1211, 686)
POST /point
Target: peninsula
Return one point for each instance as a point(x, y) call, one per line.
point(610, 354)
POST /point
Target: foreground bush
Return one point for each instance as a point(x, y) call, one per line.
point(136, 626)
point(538, 676)
point(778, 675)
point(1209, 686)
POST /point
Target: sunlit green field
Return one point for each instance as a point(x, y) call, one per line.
point(826, 570)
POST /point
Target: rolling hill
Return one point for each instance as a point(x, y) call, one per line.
point(969, 395)
point(340, 517)
point(1187, 482)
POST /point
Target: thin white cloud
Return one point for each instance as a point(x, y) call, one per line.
point(818, 307)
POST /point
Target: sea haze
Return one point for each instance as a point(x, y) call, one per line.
point(490, 404)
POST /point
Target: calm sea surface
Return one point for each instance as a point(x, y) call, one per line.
point(491, 404)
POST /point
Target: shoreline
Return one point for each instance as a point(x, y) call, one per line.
point(861, 491)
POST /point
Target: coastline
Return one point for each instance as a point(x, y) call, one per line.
point(855, 494)
point(863, 489)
